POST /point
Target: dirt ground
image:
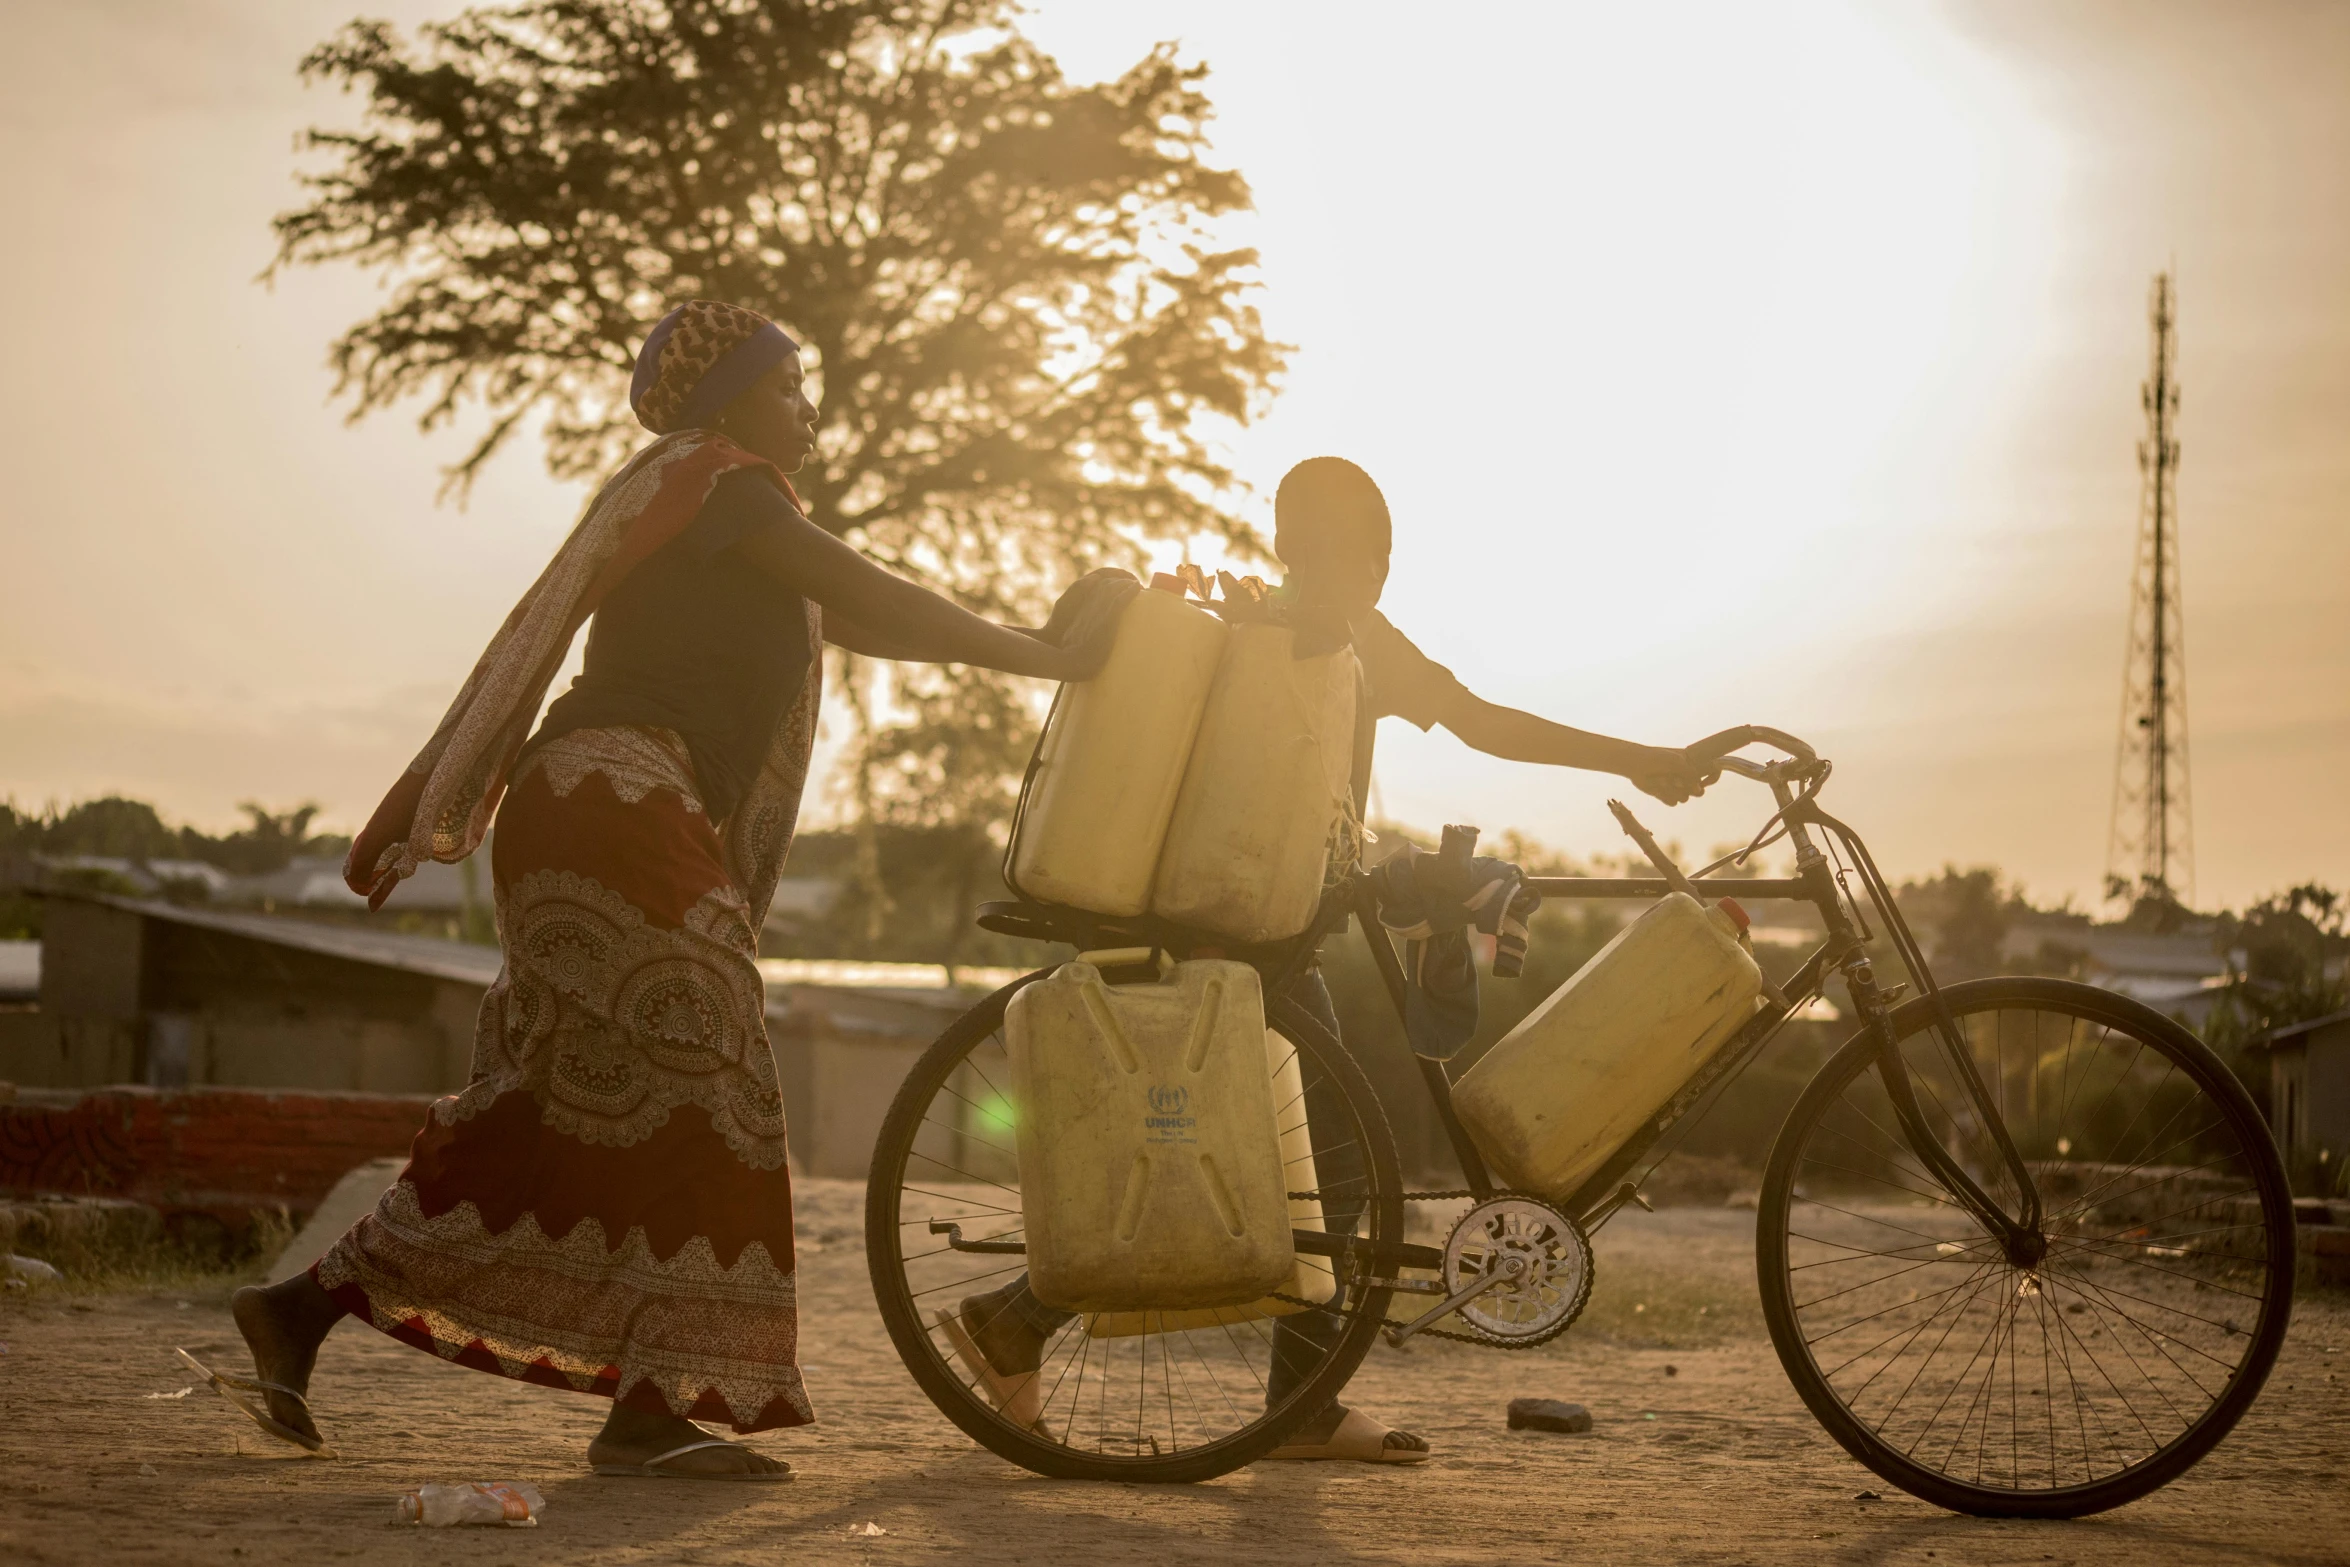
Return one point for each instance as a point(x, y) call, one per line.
point(1701, 1452)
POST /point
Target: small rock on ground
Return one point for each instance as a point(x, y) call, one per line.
point(1548, 1414)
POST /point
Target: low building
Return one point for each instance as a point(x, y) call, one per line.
point(173, 995)
point(2309, 1088)
point(170, 996)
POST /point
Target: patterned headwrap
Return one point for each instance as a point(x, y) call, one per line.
point(702, 356)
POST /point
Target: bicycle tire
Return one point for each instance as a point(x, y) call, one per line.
point(2097, 1228)
point(930, 1363)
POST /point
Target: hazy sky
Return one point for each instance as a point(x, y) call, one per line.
point(1750, 362)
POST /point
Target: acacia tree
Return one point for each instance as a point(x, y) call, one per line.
point(1023, 334)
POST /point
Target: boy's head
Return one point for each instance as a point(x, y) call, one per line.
point(1330, 528)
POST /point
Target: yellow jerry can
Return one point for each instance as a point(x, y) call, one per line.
point(1150, 1160)
point(1310, 1279)
point(1112, 758)
point(1570, 1084)
point(1250, 842)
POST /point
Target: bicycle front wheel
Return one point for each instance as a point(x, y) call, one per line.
point(2029, 1388)
point(1143, 1395)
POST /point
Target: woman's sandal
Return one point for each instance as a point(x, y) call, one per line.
point(1359, 1438)
point(651, 1468)
point(229, 1387)
point(1017, 1396)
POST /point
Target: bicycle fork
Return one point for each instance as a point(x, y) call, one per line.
point(2020, 1236)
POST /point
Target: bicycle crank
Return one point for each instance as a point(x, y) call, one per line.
point(1516, 1269)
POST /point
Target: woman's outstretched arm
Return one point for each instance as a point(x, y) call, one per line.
point(886, 616)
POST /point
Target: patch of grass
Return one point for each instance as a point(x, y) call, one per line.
point(120, 1260)
point(1645, 1307)
point(1696, 1180)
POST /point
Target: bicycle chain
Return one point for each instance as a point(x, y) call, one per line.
point(1461, 1195)
point(1350, 1312)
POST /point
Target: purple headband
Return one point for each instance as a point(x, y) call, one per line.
point(686, 384)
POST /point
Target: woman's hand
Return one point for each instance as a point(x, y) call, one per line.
point(1085, 622)
point(1665, 773)
point(1112, 582)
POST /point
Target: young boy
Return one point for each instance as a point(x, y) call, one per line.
point(1331, 529)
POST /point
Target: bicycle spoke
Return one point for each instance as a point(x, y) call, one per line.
point(1879, 1279)
point(2140, 1262)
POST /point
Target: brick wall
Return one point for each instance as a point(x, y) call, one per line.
point(224, 1152)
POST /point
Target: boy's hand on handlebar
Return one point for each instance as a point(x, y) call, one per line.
point(1667, 774)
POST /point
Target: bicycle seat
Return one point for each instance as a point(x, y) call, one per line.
point(1052, 922)
point(1089, 932)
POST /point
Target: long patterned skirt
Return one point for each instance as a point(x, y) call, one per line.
point(606, 1207)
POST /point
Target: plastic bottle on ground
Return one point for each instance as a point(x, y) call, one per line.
point(503, 1503)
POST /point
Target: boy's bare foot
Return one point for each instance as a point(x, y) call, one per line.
point(1012, 1345)
point(1001, 1349)
point(630, 1437)
point(283, 1326)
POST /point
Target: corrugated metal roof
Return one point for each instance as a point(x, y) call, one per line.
point(918, 984)
point(457, 960)
point(2277, 1036)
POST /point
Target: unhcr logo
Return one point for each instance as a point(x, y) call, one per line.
point(1167, 1121)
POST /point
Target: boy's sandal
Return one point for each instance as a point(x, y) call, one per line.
point(1016, 1395)
point(1358, 1438)
point(654, 1468)
point(229, 1387)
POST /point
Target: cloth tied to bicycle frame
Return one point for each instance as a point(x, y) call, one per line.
point(1431, 907)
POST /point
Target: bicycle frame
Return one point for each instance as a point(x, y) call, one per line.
point(1844, 952)
point(1794, 784)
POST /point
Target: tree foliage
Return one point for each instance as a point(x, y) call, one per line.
point(1006, 284)
point(2288, 962)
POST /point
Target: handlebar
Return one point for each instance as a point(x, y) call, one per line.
point(1714, 752)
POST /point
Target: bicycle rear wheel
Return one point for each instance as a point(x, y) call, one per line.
point(1167, 1396)
point(2052, 1388)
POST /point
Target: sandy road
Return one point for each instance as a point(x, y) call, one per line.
point(1715, 1463)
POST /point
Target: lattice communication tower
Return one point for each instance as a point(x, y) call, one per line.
point(2150, 852)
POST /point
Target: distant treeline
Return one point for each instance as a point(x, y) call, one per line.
point(906, 893)
point(116, 828)
point(33, 842)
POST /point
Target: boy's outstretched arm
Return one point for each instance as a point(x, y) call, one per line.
point(1518, 736)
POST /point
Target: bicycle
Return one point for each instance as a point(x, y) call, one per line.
point(2025, 1246)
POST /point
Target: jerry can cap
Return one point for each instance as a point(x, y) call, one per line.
point(1736, 911)
point(1167, 582)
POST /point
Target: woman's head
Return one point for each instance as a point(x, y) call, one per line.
point(1331, 529)
point(713, 366)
